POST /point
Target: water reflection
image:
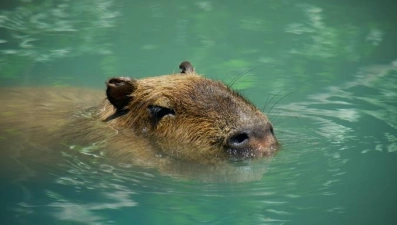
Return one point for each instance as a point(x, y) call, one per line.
point(91, 189)
point(32, 26)
point(85, 212)
point(316, 175)
point(372, 87)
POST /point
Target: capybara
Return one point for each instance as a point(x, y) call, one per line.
point(165, 122)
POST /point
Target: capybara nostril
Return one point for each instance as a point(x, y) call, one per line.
point(271, 129)
point(238, 141)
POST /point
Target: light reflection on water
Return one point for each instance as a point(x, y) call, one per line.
point(32, 26)
point(343, 104)
point(90, 191)
point(339, 143)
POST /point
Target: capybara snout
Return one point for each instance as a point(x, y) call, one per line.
point(252, 142)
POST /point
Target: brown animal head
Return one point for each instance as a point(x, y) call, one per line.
point(190, 117)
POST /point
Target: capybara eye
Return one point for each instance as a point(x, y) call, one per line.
point(158, 112)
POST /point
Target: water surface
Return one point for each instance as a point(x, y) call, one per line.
point(325, 73)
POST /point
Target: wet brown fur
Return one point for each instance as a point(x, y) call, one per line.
point(206, 113)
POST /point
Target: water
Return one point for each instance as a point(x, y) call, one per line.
point(325, 72)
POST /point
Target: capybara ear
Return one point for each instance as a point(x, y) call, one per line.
point(119, 91)
point(186, 67)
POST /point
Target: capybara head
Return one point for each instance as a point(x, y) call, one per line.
point(190, 117)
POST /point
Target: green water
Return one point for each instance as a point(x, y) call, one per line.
point(324, 71)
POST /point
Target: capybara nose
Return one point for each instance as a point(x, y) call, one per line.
point(252, 142)
point(239, 140)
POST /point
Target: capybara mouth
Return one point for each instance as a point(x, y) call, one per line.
point(249, 153)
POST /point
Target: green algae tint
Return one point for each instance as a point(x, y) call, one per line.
point(324, 72)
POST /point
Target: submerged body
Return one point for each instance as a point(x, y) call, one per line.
point(164, 122)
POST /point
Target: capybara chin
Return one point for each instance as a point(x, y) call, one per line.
point(154, 122)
